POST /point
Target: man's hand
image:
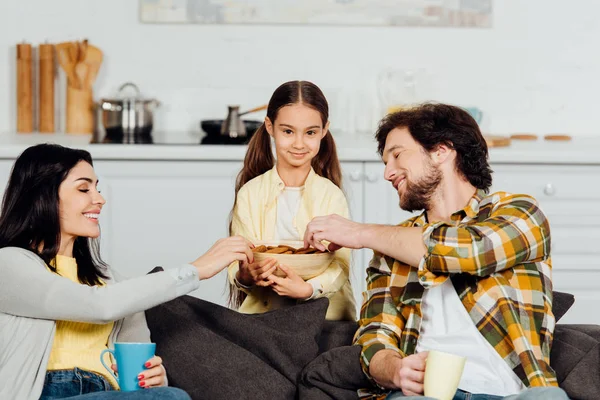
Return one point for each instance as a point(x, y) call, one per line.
point(392, 371)
point(291, 286)
point(405, 244)
point(339, 231)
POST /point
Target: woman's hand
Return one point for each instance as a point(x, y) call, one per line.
point(221, 254)
point(256, 273)
point(154, 376)
point(290, 286)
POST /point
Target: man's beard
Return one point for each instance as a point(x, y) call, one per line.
point(417, 195)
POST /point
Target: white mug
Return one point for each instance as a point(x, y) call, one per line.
point(442, 374)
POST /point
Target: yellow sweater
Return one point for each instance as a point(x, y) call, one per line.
point(254, 217)
point(78, 344)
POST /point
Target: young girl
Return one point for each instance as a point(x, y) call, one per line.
point(276, 200)
point(59, 303)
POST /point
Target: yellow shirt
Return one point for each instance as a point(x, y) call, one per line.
point(78, 344)
point(254, 217)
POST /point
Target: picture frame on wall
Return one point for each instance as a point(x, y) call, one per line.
point(416, 13)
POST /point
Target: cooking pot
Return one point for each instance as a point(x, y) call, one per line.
point(128, 118)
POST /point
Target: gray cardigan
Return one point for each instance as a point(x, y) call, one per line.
point(32, 298)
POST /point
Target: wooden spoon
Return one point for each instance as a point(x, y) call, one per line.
point(64, 59)
point(93, 60)
point(83, 46)
point(74, 52)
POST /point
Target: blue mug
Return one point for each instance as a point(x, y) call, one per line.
point(130, 359)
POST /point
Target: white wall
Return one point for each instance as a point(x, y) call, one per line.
point(536, 70)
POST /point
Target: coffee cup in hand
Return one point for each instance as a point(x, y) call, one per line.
point(130, 359)
point(442, 374)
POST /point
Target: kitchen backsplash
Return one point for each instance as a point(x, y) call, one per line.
point(535, 70)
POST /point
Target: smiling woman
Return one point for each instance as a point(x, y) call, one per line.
point(50, 190)
point(60, 305)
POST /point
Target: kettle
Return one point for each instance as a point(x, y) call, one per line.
point(233, 126)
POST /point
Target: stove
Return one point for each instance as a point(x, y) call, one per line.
point(210, 135)
point(173, 138)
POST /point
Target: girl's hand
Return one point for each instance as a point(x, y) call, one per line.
point(154, 376)
point(256, 273)
point(291, 286)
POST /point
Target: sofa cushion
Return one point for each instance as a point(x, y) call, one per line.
point(561, 302)
point(336, 334)
point(575, 357)
point(335, 374)
point(216, 353)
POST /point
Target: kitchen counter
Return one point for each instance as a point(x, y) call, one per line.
point(580, 150)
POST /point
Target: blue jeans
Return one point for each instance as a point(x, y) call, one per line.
point(549, 393)
point(80, 384)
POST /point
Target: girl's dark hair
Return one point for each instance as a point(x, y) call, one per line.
point(432, 125)
point(259, 156)
point(29, 217)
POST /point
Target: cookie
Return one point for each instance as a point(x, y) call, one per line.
point(278, 249)
point(260, 249)
point(283, 249)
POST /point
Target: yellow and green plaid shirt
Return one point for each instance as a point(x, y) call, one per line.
point(497, 254)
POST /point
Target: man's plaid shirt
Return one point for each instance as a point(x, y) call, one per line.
point(497, 254)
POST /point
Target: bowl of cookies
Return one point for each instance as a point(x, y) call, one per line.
point(307, 263)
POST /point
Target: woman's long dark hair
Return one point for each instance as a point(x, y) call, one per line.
point(259, 156)
point(29, 217)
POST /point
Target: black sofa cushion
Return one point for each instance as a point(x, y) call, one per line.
point(575, 357)
point(334, 374)
point(561, 302)
point(215, 353)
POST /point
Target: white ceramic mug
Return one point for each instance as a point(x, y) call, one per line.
point(442, 374)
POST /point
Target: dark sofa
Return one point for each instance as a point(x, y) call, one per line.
point(216, 353)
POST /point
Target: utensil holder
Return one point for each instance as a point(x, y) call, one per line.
point(80, 111)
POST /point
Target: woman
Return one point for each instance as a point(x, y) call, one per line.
point(59, 303)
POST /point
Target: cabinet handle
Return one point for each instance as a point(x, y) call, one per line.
point(355, 176)
point(372, 177)
point(549, 189)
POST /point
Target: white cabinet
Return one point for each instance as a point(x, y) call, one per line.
point(165, 213)
point(570, 197)
point(354, 188)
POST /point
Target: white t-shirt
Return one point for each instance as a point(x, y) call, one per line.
point(446, 326)
point(288, 203)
